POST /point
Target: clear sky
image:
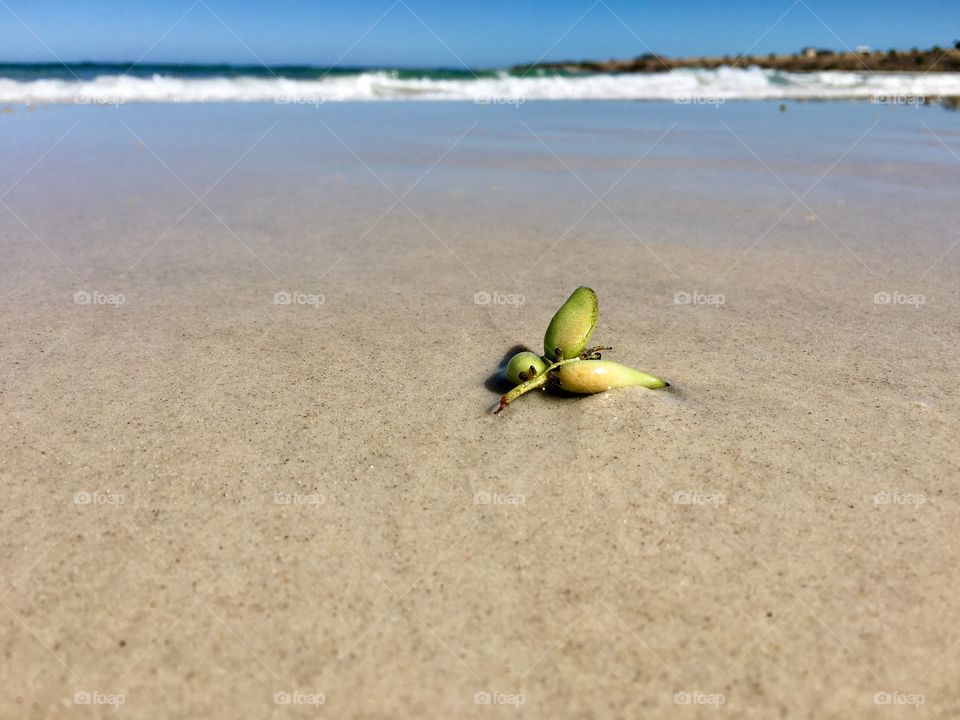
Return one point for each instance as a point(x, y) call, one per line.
point(445, 32)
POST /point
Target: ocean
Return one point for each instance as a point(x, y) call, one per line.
point(114, 84)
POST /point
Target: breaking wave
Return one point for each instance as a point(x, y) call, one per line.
point(682, 85)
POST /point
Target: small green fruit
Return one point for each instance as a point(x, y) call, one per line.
point(593, 376)
point(570, 329)
point(524, 366)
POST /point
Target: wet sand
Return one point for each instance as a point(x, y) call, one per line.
point(219, 503)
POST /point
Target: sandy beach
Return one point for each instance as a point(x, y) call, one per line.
point(249, 461)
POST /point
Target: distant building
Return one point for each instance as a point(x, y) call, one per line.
point(812, 52)
point(862, 49)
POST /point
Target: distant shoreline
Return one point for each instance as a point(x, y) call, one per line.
point(911, 78)
point(935, 59)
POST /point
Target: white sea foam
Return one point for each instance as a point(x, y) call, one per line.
point(677, 85)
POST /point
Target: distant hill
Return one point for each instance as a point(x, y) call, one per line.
point(935, 59)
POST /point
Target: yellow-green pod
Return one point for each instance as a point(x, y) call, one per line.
point(524, 366)
point(570, 329)
point(593, 376)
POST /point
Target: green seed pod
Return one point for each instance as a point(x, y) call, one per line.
point(524, 366)
point(593, 376)
point(570, 329)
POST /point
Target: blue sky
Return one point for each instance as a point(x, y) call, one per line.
point(445, 33)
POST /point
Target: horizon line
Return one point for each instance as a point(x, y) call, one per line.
point(131, 64)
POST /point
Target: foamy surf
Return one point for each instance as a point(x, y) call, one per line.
point(682, 85)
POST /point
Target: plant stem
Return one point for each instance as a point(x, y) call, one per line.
point(538, 381)
point(542, 379)
point(522, 388)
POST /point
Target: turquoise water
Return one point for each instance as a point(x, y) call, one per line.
point(91, 70)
